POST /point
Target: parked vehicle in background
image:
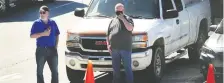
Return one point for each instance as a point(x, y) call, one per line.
point(5, 5)
point(216, 10)
point(212, 53)
point(164, 30)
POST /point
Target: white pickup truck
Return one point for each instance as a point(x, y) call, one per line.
point(164, 30)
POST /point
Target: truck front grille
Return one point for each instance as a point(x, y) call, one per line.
point(91, 44)
point(88, 53)
point(101, 66)
point(98, 53)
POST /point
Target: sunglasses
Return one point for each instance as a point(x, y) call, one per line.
point(43, 12)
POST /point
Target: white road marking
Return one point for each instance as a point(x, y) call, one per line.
point(10, 77)
point(63, 5)
point(2, 25)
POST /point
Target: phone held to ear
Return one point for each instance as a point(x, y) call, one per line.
point(119, 12)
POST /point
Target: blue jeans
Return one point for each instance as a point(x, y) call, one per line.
point(125, 56)
point(49, 55)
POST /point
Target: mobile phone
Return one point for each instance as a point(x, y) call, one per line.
point(119, 12)
point(48, 27)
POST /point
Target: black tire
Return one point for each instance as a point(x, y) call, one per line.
point(194, 51)
point(204, 71)
point(75, 76)
point(154, 74)
point(204, 67)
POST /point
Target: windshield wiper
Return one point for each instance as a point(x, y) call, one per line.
point(137, 16)
point(99, 15)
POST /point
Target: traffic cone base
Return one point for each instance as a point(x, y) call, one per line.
point(89, 77)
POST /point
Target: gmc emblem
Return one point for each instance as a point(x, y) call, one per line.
point(100, 43)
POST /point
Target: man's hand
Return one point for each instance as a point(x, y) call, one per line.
point(109, 48)
point(121, 16)
point(127, 24)
point(57, 39)
point(46, 32)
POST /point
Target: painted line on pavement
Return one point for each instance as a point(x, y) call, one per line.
point(2, 25)
point(63, 5)
point(101, 75)
point(10, 77)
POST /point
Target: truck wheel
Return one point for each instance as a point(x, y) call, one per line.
point(156, 69)
point(75, 76)
point(204, 70)
point(194, 50)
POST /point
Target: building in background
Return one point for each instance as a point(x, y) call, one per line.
point(216, 10)
point(6, 5)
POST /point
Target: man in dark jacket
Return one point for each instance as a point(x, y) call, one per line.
point(119, 43)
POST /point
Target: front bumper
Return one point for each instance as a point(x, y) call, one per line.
point(76, 61)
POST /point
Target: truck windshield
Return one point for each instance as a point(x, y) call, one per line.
point(134, 8)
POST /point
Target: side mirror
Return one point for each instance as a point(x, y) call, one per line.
point(170, 14)
point(79, 12)
point(213, 27)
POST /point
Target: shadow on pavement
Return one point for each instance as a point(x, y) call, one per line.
point(182, 70)
point(179, 71)
point(31, 13)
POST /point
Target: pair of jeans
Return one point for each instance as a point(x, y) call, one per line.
point(49, 55)
point(125, 57)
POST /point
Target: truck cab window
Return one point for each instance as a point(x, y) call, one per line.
point(134, 8)
point(179, 5)
point(167, 5)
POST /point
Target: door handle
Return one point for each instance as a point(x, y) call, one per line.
point(177, 21)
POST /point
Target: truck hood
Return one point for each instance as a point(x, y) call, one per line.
point(95, 26)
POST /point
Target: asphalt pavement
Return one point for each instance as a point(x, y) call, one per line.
point(17, 62)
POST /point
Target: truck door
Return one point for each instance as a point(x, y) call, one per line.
point(173, 26)
point(184, 23)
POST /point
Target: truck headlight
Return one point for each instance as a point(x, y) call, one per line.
point(139, 41)
point(139, 44)
point(140, 38)
point(73, 37)
point(73, 40)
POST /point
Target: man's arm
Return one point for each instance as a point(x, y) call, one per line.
point(108, 44)
point(107, 38)
point(57, 39)
point(36, 35)
point(128, 24)
point(57, 34)
point(34, 31)
point(108, 33)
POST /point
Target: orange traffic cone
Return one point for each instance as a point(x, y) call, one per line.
point(210, 75)
point(89, 73)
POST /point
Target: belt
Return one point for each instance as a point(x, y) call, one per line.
point(45, 46)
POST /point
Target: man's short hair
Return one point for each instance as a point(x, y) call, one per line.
point(117, 5)
point(45, 8)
